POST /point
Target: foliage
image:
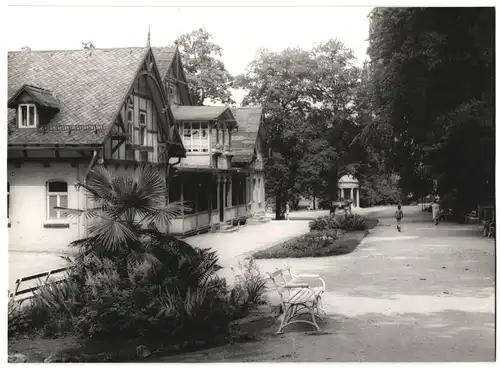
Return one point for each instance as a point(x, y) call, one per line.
point(354, 222)
point(19, 320)
point(315, 244)
point(432, 73)
point(205, 72)
point(121, 206)
point(250, 288)
point(306, 97)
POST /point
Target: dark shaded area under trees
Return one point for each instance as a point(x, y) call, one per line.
point(433, 75)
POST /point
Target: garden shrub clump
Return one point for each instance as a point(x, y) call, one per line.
point(354, 222)
point(303, 246)
point(329, 235)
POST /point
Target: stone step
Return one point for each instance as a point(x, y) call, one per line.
point(228, 229)
point(258, 219)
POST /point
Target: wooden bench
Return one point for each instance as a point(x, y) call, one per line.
point(20, 296)
point(298, 297)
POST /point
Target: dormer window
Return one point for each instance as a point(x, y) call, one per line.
point(27, 116)
point(35, 106)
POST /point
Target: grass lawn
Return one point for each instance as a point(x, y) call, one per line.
point(344, 243)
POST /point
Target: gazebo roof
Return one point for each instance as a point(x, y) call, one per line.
point(348, 179)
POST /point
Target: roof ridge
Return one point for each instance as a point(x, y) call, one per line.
point(41, 89)
point(82, 50)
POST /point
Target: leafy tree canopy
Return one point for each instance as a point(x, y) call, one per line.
point(205, 71)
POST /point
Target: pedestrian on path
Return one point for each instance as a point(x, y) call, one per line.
point(435, 211)
point(399, 217)
point(287, 212)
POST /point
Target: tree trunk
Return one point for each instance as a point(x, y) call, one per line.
point(314, 199)
point(278, 208)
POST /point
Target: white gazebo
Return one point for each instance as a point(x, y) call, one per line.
point(349, 189)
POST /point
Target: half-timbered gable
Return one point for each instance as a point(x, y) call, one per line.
point(173, 76)
point(145, 121)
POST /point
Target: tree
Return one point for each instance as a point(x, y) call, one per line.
point(205, 72)
point(279, 83)
point(306, 96)
point(433, 77)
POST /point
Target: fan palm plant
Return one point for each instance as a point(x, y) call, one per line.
point(126, 214)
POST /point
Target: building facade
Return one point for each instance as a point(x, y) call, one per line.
point(221, 177)
point(69, 110)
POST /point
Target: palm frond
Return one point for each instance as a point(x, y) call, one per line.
point(164, 215)
point(112, 235)
point(150, 184)
point(99, 182)
point(75, 213)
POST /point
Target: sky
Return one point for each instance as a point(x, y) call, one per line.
point(240, 31)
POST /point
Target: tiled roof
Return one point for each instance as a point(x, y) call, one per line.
point(184, 113)
point(42, 97)
point(163, 56)
point(90, 86)
point(243, 141)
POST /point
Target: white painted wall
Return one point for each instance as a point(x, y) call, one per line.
point(28, 207)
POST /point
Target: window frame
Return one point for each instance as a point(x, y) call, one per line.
point(130, 120)
point(58, 194)
point(20, 116)
point(143, 132)
point(200, 143)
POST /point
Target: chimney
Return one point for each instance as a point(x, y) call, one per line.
point(26, 49)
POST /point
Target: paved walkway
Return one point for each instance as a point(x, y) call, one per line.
point(426, 294)
point(231, 247)
point(235, 246)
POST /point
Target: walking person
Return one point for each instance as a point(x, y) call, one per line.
point(287, 212)
point(435, 211)
point(399, 217)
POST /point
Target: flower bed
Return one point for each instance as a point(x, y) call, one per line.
point(330, 235)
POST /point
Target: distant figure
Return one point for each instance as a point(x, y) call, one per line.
point(435, 211)
point(399, 216)
point(287, 212)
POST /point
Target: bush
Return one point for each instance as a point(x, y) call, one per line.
point(354, 222)
point(250, 287)
point(180, 300)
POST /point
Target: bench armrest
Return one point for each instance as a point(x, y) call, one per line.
point(308, 275)
point(296, 285)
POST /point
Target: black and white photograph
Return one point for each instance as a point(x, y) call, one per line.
point(249, 182)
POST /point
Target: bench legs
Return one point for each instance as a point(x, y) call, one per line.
point(294, 310)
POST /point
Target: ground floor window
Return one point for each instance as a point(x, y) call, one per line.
point(57, 195)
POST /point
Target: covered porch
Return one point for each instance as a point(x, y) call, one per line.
point(213, 196)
